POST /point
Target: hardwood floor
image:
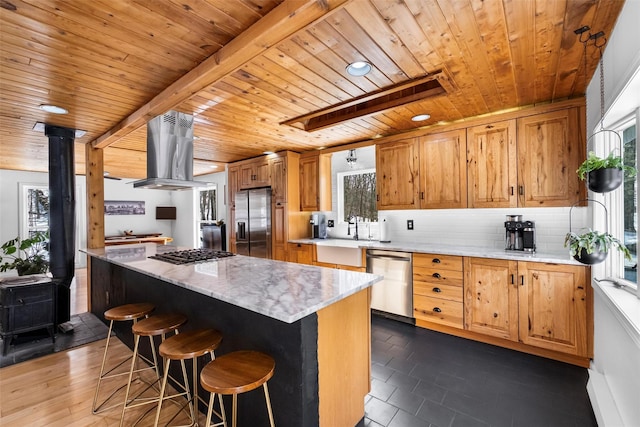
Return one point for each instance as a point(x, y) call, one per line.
point(57, 390)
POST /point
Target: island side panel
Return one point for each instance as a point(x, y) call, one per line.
point(344, 359)
point(294, 386)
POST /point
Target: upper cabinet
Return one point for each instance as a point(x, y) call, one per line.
point(550, 149)
point(315, 182)
point(278, 166)
point(233, 173)
point(443, 170)
point(254, 174)
point(491, 165)
point(397, 174)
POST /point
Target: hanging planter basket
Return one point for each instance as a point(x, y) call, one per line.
point(595, 257)
point(604, 180)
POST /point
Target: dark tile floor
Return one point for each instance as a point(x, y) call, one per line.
point(86, 328)
point(422, 378)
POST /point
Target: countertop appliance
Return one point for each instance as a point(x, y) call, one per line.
point(393, 296)
point(190, 256)
point(253, 222)
point(520, 235)
point(318, 226)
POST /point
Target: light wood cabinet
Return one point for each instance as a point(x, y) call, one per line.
point(437, 289)
point(254, 174)
point(443, 170)
point(550, 149)
point(553, 307)
point(302, 253)
point(397, 174)
point(491, 297)
point(278, 167)
point(279, 231)
point(538, 304)
point(491, 165)
point(233, 183)
point(315, 182)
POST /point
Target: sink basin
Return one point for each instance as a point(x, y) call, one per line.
point(339, 253)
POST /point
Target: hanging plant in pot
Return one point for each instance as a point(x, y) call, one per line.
point(593, 247)
point(28, 256)
point(604, 175)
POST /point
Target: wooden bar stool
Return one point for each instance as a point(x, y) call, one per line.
point(234, 373)
point(117, 314)
point(187, 345)
point(157, 325)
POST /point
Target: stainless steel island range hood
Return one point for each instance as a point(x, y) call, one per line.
point(170, 153)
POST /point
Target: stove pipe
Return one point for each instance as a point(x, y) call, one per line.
point(62, 216)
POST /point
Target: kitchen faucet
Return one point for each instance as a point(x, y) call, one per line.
point(355, 219)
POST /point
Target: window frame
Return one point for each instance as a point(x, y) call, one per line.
point(340, 191)
point(23, 198)
point(614, 265)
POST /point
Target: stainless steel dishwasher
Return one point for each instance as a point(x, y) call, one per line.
point(394, 294)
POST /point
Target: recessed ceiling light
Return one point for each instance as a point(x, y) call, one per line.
point(53, 109)
point(359, 68)
point(268, 152)
point(213, 166)
point(420, 117)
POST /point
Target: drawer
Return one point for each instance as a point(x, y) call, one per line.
point(443, 291)
point(438, 310)
point(443, 262)
point(29, 294)
point(437, 276)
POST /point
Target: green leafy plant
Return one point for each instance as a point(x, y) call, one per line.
point(28, 256)
point(594, 241)
point(594, 162)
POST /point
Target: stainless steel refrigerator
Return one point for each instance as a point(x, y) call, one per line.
point(253, 222)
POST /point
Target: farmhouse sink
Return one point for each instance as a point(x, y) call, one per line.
point(344, 252)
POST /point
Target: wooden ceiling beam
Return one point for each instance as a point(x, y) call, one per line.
point(281, 23)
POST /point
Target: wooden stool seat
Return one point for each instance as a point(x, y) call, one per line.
point(235, 373)
point(129, 311)
point(159, 324)
point(180, 347)
point(191, 344)
point(121, 313)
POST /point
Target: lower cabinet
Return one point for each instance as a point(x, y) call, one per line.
point(534, 307)
point(538, 304)
point(302, 253)
point(437, 289)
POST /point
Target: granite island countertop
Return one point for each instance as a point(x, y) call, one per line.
point(444, 249)
point(281, 290)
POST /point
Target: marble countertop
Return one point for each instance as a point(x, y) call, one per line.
point(281, 290)
point(443, 249)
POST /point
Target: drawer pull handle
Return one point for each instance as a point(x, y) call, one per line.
point(437, 310)
point(437, 290)
point(436, 275)
point(21, 301)
point(435, 261)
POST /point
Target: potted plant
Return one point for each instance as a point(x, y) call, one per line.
point(28, 256)
point(592, 247)
point(604, 175)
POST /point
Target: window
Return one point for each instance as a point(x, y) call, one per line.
point(623, 204)
point(357, 195)
point(208, 205)
point(34, 209)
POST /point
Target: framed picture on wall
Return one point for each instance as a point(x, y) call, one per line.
point(123, 207)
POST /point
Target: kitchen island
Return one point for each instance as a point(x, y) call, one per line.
point(314, 321)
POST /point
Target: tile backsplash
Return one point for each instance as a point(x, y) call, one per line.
point(469, 227)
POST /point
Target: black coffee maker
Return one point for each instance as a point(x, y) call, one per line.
point(520, 235)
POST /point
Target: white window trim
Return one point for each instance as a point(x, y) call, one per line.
point(615, 264)
point(340, 186)
point(22, 200)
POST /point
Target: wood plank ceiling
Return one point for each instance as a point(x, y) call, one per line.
point(243, 67)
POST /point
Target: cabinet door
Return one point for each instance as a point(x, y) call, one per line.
point(254, 174)
point(278, 168)
point(553, 307)
point(397, 175)
point(309, 183)
point(491, 297)
point(492, 165)
point(550, 149)
point(232, 177)
point(279, 231)
point(300, 253)
point(443, 170)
